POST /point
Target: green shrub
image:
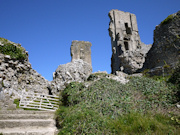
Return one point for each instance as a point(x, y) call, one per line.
point(16, 52)
point(175, 79)
point(167, 20)
point(16, 101)
point(80, 120)
point(72, 94)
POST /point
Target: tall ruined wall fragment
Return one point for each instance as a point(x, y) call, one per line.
point(128, 53)
point(81, 50)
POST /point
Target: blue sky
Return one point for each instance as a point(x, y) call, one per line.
point(46, 28)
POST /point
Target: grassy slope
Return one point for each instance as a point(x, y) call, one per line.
point(142, 106)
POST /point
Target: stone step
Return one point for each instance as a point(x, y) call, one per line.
point(13, 123)
point(26, 116)
point(25, 112)
point(29, 131)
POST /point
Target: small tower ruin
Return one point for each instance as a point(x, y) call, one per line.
point(81, 50)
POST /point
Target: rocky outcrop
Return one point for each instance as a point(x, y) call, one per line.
point(120, 77)
point(76, 70)
point(16, 73)
point(165, 52)
point(128, 52)
point(81, 50)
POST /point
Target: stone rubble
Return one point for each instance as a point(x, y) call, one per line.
point(120, 76)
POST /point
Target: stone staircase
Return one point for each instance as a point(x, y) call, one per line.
point(21, 122)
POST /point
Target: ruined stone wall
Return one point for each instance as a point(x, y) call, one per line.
point(128, 53)
point(77, 70)
point(17, 76)
point(165, 51)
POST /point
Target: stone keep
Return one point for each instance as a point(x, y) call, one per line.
point(81, 50)
point(128, 53)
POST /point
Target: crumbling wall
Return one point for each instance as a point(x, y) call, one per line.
point(128, 53)
point(165, 52)
point(17, 75)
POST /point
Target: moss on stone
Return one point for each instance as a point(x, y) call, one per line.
point(14, 50)
point(167, 20)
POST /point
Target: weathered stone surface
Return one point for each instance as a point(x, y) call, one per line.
point(17, 76)
point(128, 52)
point(81, 50)
point(165, 51)
point(77, 70)
point(120, 77)
point(20, 122)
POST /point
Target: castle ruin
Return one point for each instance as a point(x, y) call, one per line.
point(81, 50)
point(128, 53)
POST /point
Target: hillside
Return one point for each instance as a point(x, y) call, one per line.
point(105, 106)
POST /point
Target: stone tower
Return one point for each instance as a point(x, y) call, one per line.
point(81, 50)
point(127, 50)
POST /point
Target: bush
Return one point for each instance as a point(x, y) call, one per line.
point(80, 120)
point(72, 94)
point(175, 79)
point(16, 101)
point(16, 52)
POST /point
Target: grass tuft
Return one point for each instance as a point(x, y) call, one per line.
point(167, 20)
